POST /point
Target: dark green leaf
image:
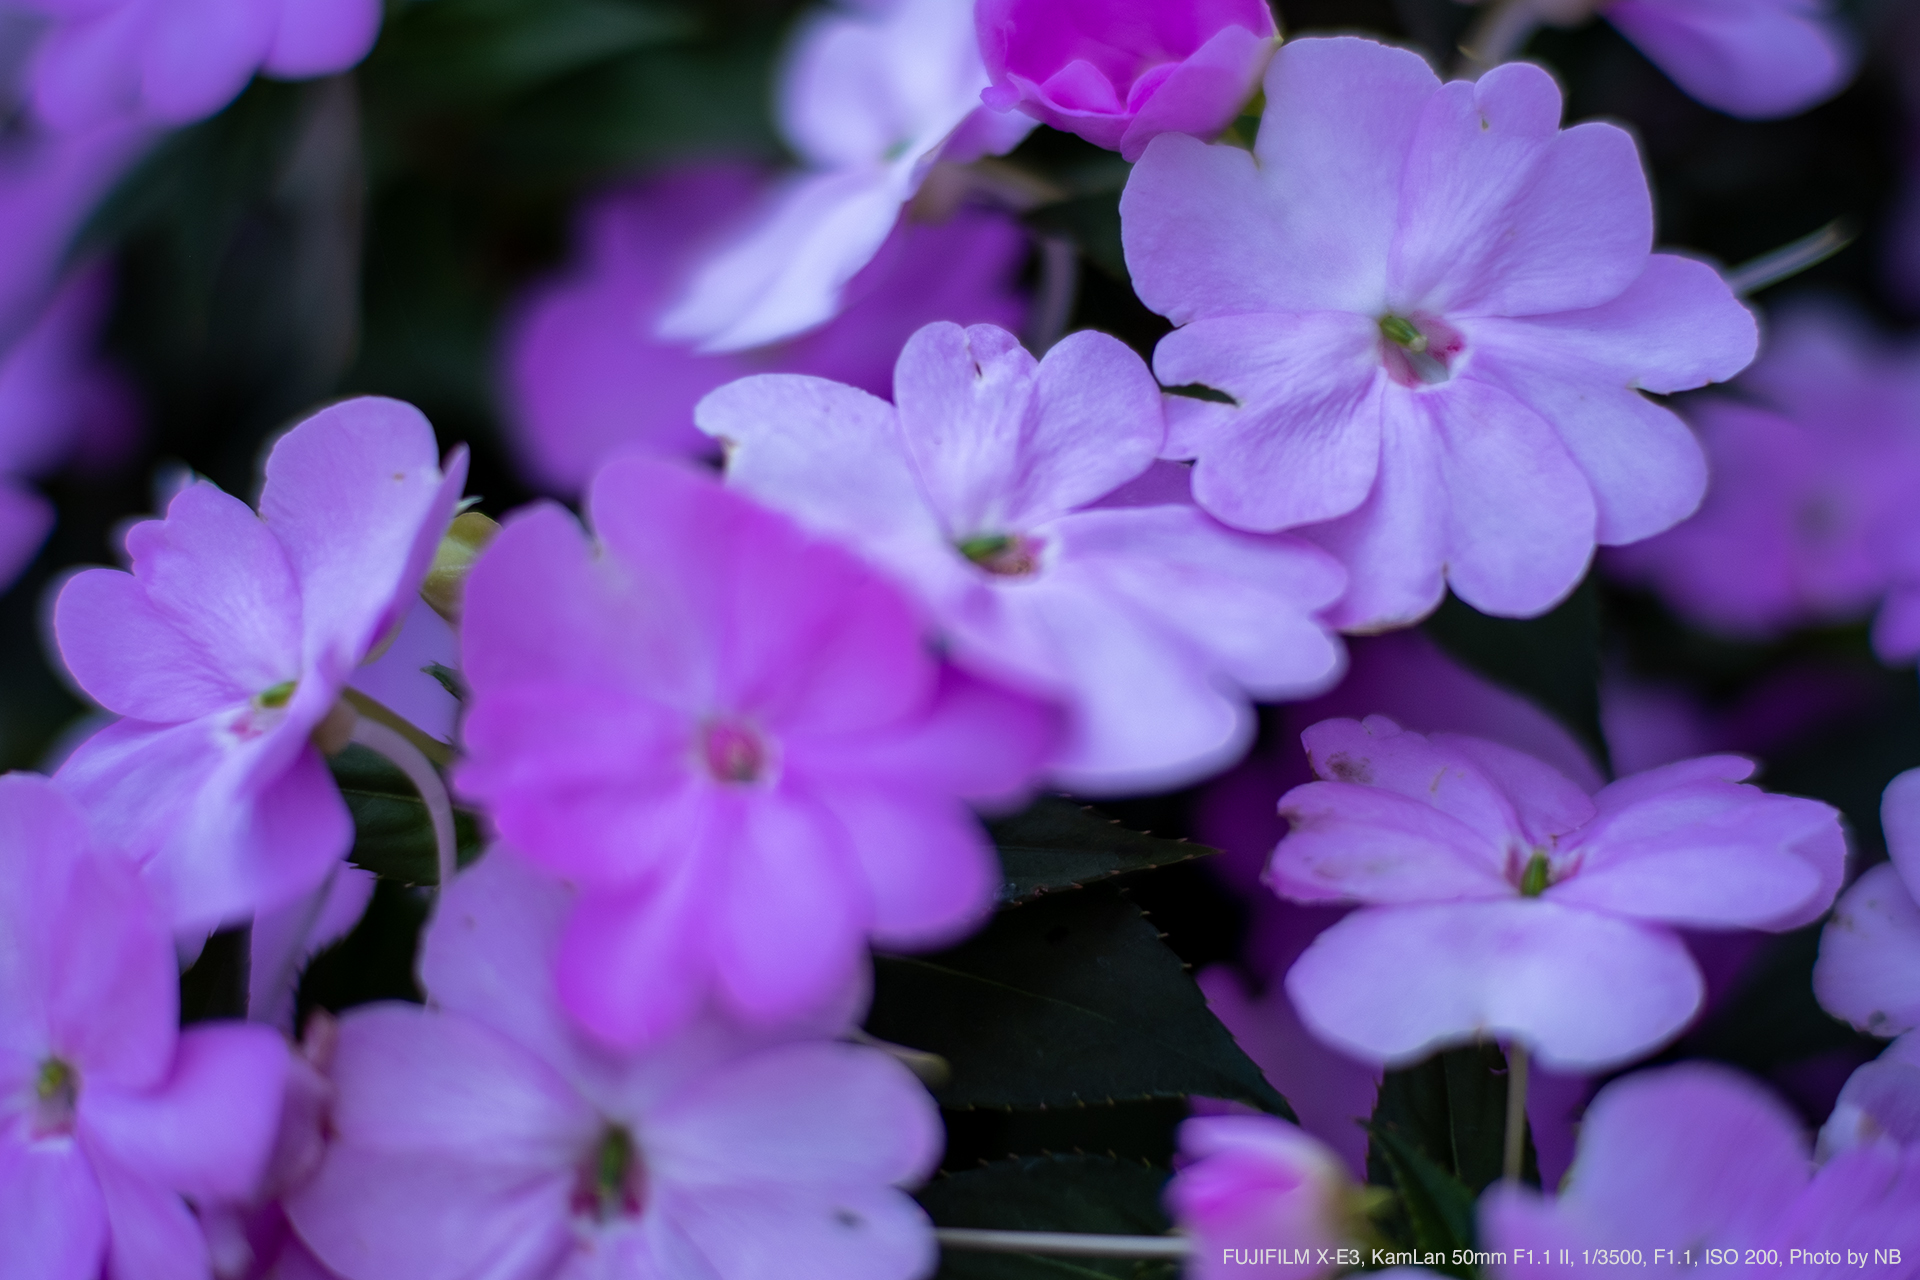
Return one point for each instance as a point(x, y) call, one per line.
point(1055, 844)
point(1069, 999)
point(1437, 1205)
point(1553, 659)
point(454, 50)
point(1050, 1193)
point(1453, 1106)
point(391, 835)
point(448, 679)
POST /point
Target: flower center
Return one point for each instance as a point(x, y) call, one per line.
point(734, 752)
point(1418, 351)
point(612, 1181)
point(1537, 875)
point(276, 695)
point(1004, 555)
point(56, 1089)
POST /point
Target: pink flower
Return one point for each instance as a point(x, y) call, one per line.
point(980, 491)
point(1257, 1184)
point(1869, 967)
point(871, 97)
point(1696, 1157)
point(1809, 515)
point(1500, 899)
point(485, 1135)
point(1435, 312)
point(58, 403)
point(733, 737)
point(174, 62)
point(109, 1114)
point(588, 379)
point(230, 642)
point(1751, 58)
point(1122, 72)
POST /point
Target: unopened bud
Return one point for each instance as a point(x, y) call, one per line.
point(446, 585)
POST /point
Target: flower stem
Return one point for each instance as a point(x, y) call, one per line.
point(1501, 33)
point(1068, 1244)
point(409, 759)
point(1059, 287)
point(1790, 260)
point(1516, 1149)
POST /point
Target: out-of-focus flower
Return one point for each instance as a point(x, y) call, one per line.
point(1257, 1184)
point(588, 378)
point(1809, 516)
point(166, 62)
point(1501, 899)
point(487, 1135)
point(871, 97)
point(1435, 312)
point(733, 737)
point(230, 642)
point(1880, 1100)
point(58, 402)
point(1869, 966)
point(1696, 1157)
point(1122, 72)
point(1756, 59)
point(109, 1114)
point(979, 489)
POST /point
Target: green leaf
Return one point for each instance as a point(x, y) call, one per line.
point(458, 50)
point(1437, 1205)
point(1553, 659)
point(1070, 999)
point(1094, 1194)
point(391, 834)
point(1055, 844)
point(1453, 1106)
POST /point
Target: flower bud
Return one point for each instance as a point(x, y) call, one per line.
point(446, 585)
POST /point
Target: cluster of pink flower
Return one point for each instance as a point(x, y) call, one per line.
point(729, 733)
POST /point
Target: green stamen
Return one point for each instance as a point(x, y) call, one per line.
point(276, 695)
point(1533, 881)
point(1401, 330)
point(612, 1163)
point(55, 1081)
point(984, 548)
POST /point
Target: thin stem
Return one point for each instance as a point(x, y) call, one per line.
point(1791, 259)
point(373, 709)
point(1059, 287)
point(409, 759)
point(1065, 1244)
point(1516, 1112)
point(930, 1069)
point(1502, 32)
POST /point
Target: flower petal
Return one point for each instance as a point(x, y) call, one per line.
point(1758, 60)
point(53, 1225)
point(1869, 966)
point(1583, 991)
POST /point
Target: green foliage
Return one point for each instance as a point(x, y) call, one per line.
point(392, 836)
point(1070, 999)
point(1055, 844)
point(1093, 1194)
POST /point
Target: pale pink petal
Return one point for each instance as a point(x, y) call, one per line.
point(1431, 771)
point(635, 966)
point(1869, 967)
point(1097, 423)
point(152, 1233)
point(207, 1129)
point(1583, 991)
point(111, 993)
point(926, 865)
point(1350, 843)
point(1303, 441)
point(1759, 60)
point(788, 1231)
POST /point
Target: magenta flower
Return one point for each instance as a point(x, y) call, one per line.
point(871, 97)
point(1435, 312)
point(1809, 516)
point(1696, 1157)
point(587, 378)
point(1502, 900)
point(1256, 1184)
point(733, 737)
point(109, 1114)
point(58, 403)
point(486, 1135)
point(980, 492)
point(1751, 58)
point(1869, 967)
point(1122, 72)
point(230, 642)
point(170, 63)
